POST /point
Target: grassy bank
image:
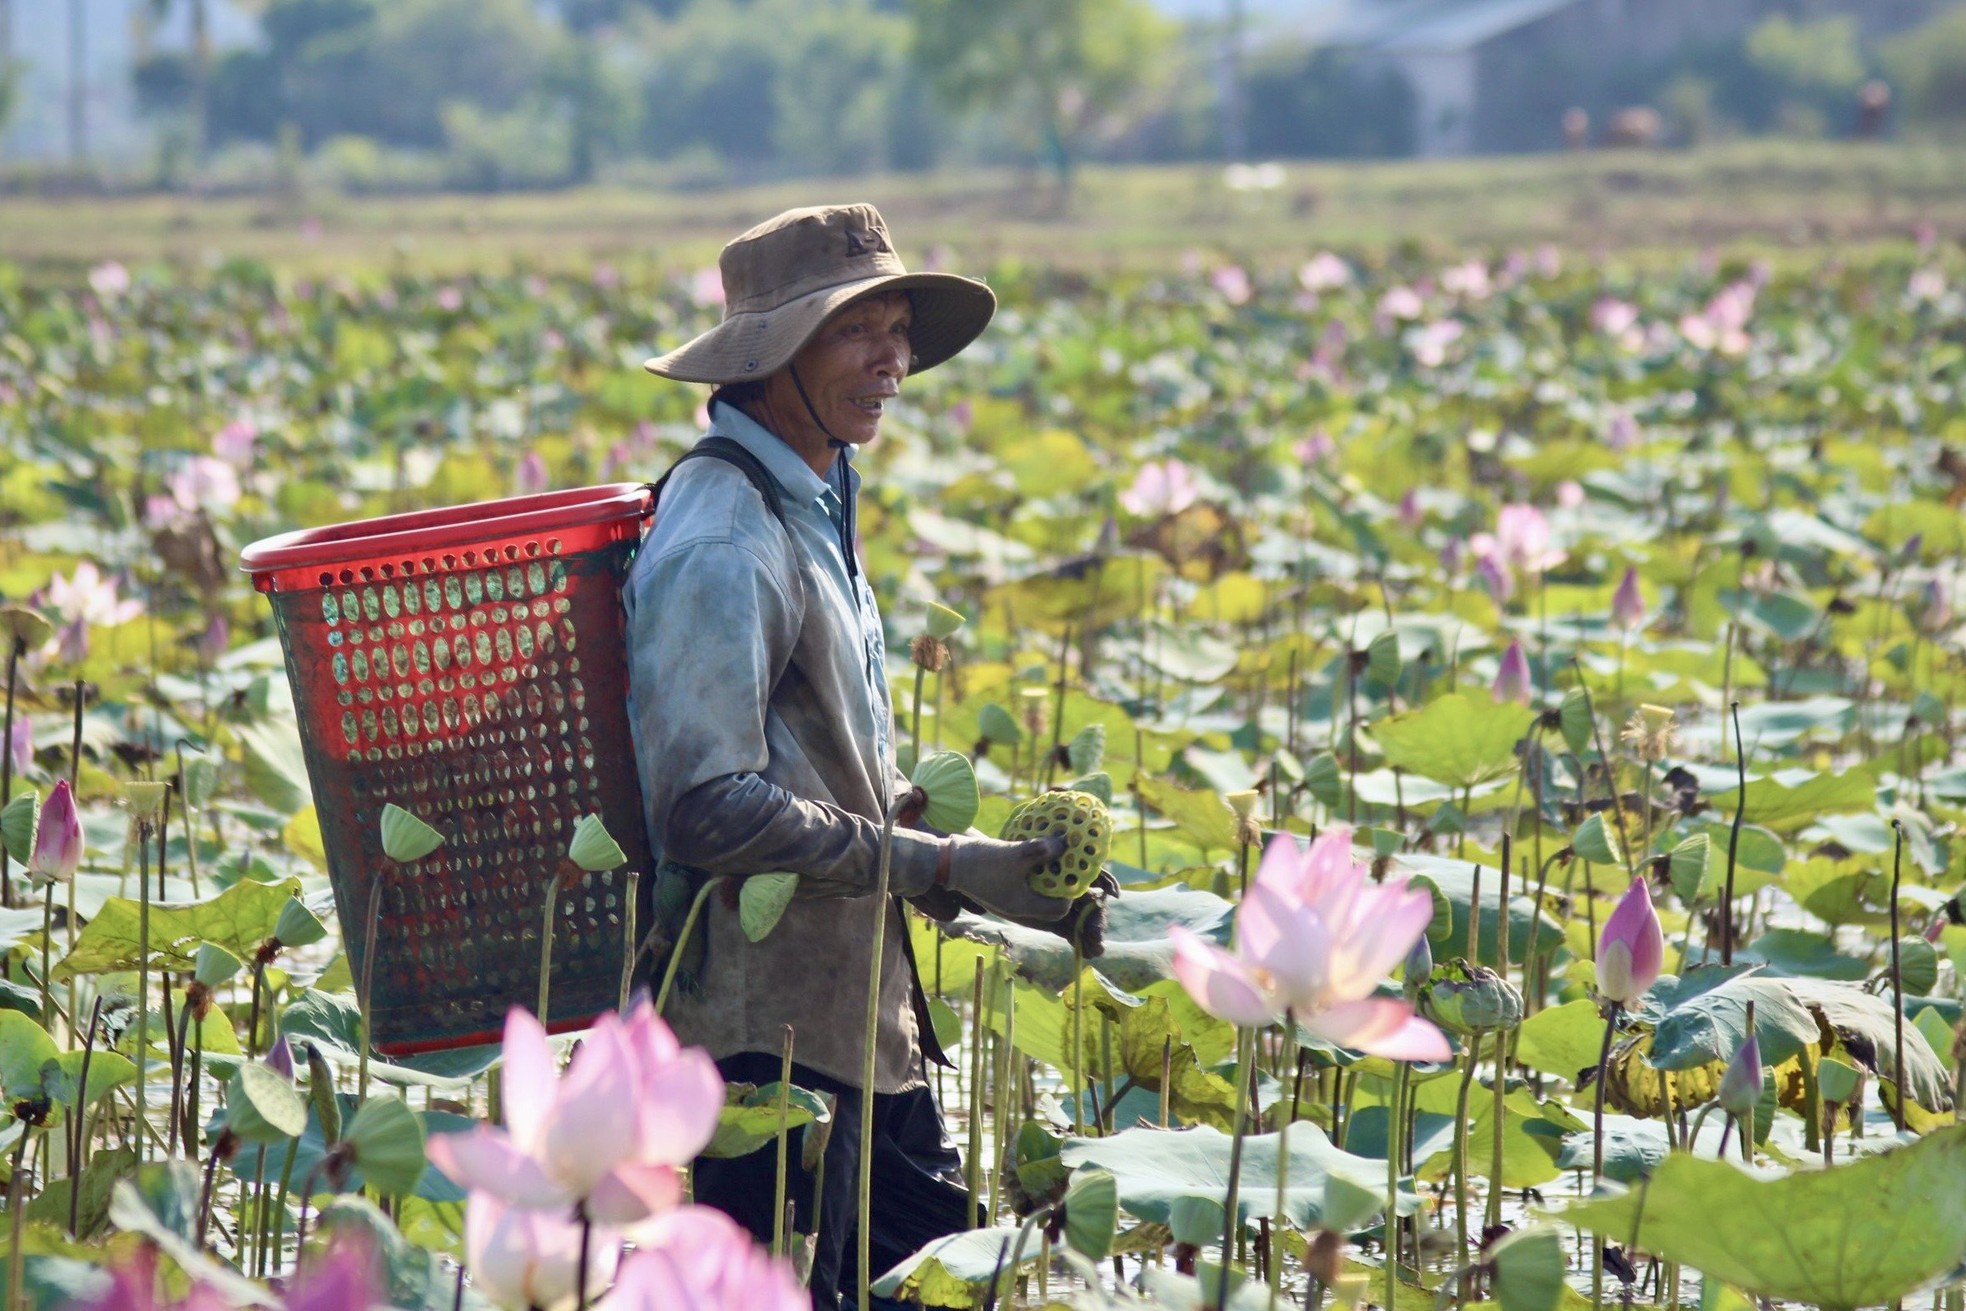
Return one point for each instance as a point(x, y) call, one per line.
point(1769, 194)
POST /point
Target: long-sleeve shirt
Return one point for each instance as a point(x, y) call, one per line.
point(759, 707)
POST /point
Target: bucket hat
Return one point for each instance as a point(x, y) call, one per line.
point(785, 277)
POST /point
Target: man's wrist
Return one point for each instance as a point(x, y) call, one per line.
point(911, 863)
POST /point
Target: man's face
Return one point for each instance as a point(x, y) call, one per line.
point(854, 365)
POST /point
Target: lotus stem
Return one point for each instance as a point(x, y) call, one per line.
point(1898, 1113)
point(784, 1114)
point(1078, 1038)
point(1734, 842)
point(280, 1206)
point(252, 1017)
point(1597, 1115)
point(1394, 1124)
point(682, 939)
point(1006, 1082)
point(1283, 1176)
point(972, 1168)
point(915, 720)
point(1461, 1148)
point(47, 933)
point(629, 889)
point(16, 1209)
point(1245, 1060)
point(586, 1245)
point(15, 650)
point(81, 1111)
point(546, 954)
point(143, 981)
point(866, 1214)
point(174, 1129)
point(368, 982)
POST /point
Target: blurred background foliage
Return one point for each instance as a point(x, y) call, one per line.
point(377, 96)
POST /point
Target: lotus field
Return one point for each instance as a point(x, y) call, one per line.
point(1526, 691)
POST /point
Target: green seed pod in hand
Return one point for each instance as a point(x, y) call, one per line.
point(1084, 822)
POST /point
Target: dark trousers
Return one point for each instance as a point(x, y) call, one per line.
point(918, 1193)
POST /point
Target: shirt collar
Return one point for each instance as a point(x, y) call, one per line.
point(783, 463)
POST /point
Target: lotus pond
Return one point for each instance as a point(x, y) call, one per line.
point(1604, 630)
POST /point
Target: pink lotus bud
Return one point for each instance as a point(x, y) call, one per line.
point(1933, 608)
point(280, 1058)
point(1628, 603)
point(1632, 949)
point(1740, 1086)
point(58, 838)
point(532, 476)
point(20, 744)
point(1499, 582)
point(1411, 516)
point(1512, 681)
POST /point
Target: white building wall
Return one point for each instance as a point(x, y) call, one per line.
point(1444, 85)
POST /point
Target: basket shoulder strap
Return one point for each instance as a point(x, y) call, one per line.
point(719, 447)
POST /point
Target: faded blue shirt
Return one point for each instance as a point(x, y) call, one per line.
point(759, 707)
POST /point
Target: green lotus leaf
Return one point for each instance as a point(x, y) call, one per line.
point(949, 782)
point(749, 1119)
point(1692, 869)
point(1918, 966)
point(943, 622)
point(1834, 1237)
point(1457, 739)
point(214, 965)
point(1154, 1167)
point(24, 1048)
point(1382, 658)
point(761, 902)
point(406, 838)
point(262, 1107)
point(1594, 841)
point(1087, 749)
point(592, 848)
point(1529, 1268)
point(298, 926)
point(1574, 720)
point(238, 919)
point(1099, 785)
point(1195, 1220)
point(956, 1271)
point(28, 629)
point(200, 777)
point(996, 726)
point(386, 1139)
point(1091, 1210)
point(17, 821)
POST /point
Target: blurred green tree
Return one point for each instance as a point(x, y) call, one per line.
point(1929, 66)
point(1057, 71)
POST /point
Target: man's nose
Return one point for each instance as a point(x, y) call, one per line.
point(892, 360)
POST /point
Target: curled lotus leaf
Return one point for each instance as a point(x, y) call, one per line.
point(949, 782)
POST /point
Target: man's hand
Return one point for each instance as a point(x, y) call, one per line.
point(997, 875)
point(1084, 925)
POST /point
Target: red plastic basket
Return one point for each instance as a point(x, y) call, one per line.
point(469, 665)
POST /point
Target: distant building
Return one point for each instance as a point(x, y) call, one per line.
point(1496, 75)
point(50, 120)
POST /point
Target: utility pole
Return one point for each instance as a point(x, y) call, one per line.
point(78, 82)
point(1235, 134)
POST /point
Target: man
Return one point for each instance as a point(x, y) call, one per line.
point(762, 724)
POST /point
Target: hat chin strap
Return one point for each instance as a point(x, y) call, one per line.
point(839, 463)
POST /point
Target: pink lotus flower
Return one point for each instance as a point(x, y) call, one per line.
point(1628, 603)
point(697, 1259)
point(632, 1106)
point(1512, 680)
point(1314, 448)
point(109, 279)
point(1233, 284)
point(1632, 949)
point(1522, 536)
point(20, 744)
point(532, 477)
point(204, 482)
point(86, 596)
point(346, 1277)
point(521, 1258)
point(1324, 271)
point(57, 839)
point(236, 442)
point(1621, 433)
point(1740, 1085)
point(1314, 937)
point(1613, 317)
point(706, 287)
point(1400, 302)
point(1429, 344)
point(1161, 487)
point(1499, 582)
point(1469, 280)
point(450, 299)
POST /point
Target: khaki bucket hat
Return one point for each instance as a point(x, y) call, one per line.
point(785, 277)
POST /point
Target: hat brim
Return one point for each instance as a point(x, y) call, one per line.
point(949, 313)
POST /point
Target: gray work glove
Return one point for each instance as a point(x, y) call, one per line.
point(996, 875)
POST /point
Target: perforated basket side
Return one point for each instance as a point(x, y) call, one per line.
point(482, 690)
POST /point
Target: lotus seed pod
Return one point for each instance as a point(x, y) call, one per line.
point(929, 652)
point(1082, 819)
